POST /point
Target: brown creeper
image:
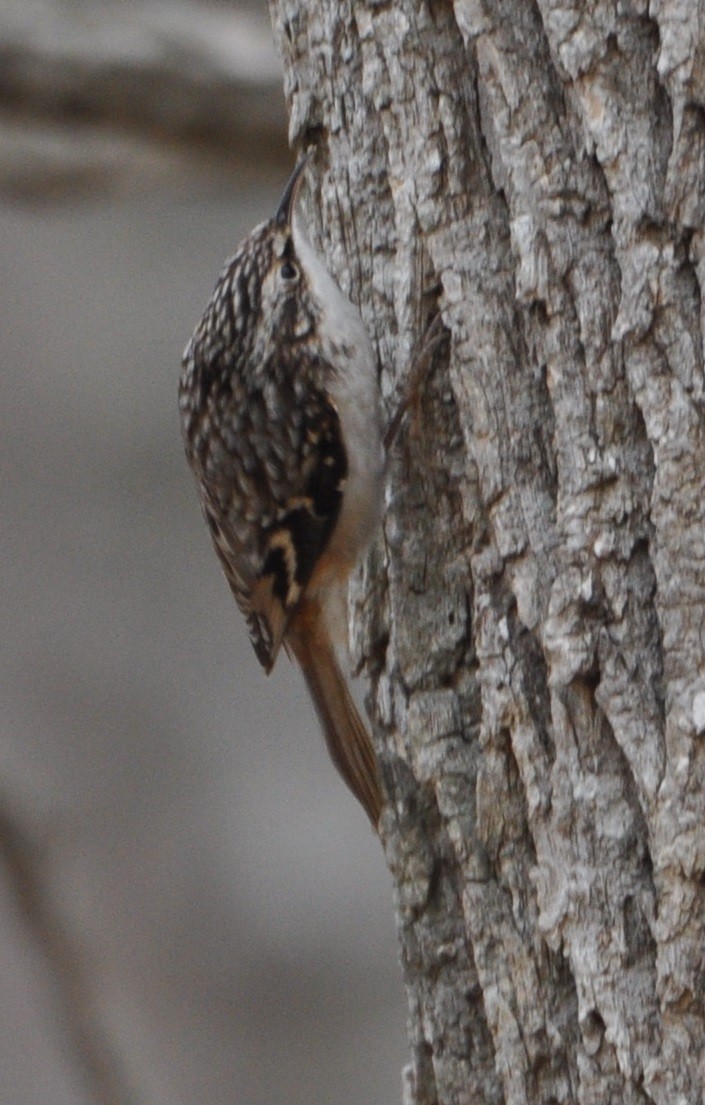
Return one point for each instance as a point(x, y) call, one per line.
point(280, 412)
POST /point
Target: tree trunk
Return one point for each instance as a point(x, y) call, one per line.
point(533, 617)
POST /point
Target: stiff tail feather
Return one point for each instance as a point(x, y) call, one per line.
point(345, 732)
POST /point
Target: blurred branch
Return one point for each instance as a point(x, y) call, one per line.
point(105, 1076)
point(177, 77)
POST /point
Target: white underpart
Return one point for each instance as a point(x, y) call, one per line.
point(355, 392)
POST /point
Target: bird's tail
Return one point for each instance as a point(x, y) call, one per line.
point(346, 735)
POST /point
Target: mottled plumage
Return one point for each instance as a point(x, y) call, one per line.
point(281, 423)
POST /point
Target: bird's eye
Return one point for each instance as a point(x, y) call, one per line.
point(288, 270)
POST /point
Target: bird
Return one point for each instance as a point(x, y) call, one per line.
point(281, 418)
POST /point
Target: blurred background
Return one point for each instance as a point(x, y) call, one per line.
point(192, 907)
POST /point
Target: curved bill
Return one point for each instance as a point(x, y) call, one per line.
point(286, 204)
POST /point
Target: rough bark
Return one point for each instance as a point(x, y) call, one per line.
point(533, 618)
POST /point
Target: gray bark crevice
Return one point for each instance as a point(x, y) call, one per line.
point(537, 697)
